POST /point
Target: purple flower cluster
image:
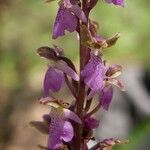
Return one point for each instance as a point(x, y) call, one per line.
point(70, 125)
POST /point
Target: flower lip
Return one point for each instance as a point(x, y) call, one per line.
point(54, 80)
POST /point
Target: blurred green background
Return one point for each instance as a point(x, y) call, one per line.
point(27, 25)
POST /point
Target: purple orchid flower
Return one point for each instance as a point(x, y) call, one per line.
point(94, 73)
point(111, 79)
point(100, 80)
point(54, 77)
point(69, 10)
point(61, 66)
point(63, 22)
point(60, 129)
point(116, 2)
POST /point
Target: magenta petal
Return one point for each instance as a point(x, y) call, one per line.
point(67, 133)
point(106, 97)
point(65, 20)
point(54, 80)
point(116, 2)
point(93, 73)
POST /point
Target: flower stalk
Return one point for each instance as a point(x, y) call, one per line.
point(70, 125)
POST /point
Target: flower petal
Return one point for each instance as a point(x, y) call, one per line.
point(106, 97)
point(68, 132)
point(93, 73)
point(65, 20)
point(76, 9)
point(91, 122)
point(61, 65)
point(71, 115)
point(114, 71)
point(117, 83)
point(59, 129)
point(73, 7)
point(55, 129)
point(54, 80)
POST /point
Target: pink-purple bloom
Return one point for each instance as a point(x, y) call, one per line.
point(116, 2)
point(63, 22)
point(54, 77)
point(106, 94)
point(100, 80)
point(66, 18)
point(61, 130)
point(60, 66)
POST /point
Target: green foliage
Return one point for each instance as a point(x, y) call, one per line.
point(139, 136)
